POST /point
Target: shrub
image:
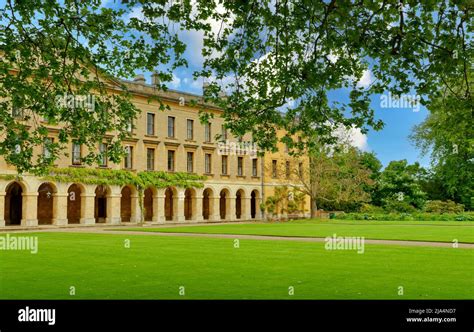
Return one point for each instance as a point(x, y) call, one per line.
point(444, 207)
point(418, 216)
point(394, 205)
point(369, 208)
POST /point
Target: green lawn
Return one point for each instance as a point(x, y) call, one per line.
point(442, 231)
point(154, 267)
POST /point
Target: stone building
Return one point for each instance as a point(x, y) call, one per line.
point(173, 141)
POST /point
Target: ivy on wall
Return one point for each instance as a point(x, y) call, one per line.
point(157, 179)
point(9, 177)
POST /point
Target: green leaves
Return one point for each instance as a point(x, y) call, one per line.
point(299, 51)
point(74, 50)
point(119, 177)
point(278, 62)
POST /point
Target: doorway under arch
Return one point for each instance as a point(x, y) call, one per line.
point(13, 204)
point(74, 204)
point(45, 204)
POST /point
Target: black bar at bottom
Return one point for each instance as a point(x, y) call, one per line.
point(330, 315)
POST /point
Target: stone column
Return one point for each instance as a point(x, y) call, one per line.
point(60, 209)
point(198, 213)
point(135, 209)
point(30, 207)
point(258, 211)
point(2, 209)
point(87, 209)
point(230, 209)
point(214, 206)
point(178, 214)
point(159, 207)
point(113, 209)
point(246, 213)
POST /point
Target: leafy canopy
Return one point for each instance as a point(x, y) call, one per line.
point(278, 61)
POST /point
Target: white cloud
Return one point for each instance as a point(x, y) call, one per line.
point(175, 82)
point(366, 79)
point(352, 136)
point(106, 3)
point(192, 83)
point(358, 139)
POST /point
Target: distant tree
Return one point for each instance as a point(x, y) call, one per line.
point(369, 160)
point(333, 177)
point(398, 185)
point(447, 134)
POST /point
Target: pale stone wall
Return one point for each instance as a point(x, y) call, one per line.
point(270, 181)
point(109, 205)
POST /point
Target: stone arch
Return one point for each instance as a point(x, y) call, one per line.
point(239, 203)
point(224, 200)
point(46, 203)
point(126, 203)
point(254, 198)
point(189, 203)
point(171, 197)
point(148, 196)
point(102, 194)
point(74, 203)
point(207, 206)
point(13, 212)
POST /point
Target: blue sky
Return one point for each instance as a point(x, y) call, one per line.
point(390, 143)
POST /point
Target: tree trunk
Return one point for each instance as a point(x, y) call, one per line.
point(314, 208)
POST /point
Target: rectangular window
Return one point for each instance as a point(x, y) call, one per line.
point(224, 165)
point(207, 132)
point(76, 154)
point(46, 147)
point(150, 124)
point(224, 133)
point(150, 159)
point(170, 160)
point(103, 154)
point(128, 161)
point(274, 169)
point(254, 167)
point(287, 169)
point(190, 129)
point(207, 163)
point(130, 126)
point(171, 121)
point(190, 162)
point(240, 166)
point(17, 113)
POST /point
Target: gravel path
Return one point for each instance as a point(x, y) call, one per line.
point(115, 230)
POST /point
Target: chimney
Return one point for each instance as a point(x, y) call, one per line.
point(205, 86)
point(139, 79)
point(222, 94)
point(155, 79)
